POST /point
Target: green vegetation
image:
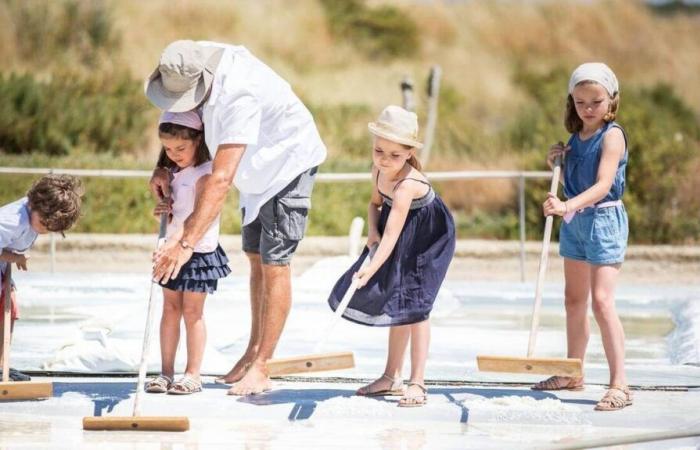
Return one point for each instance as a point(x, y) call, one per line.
point(664, 140)
point(104, 112)
point(71, 96)
point(380, 32)
point(62, 31)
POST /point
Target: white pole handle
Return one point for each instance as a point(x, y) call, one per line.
point(7, 323)
point(544, 257)
point(343, 305)
point(149, 320)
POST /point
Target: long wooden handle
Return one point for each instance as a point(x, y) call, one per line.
point(544, 258)
point(149, 320)
point(343, 305)
point(7, 323)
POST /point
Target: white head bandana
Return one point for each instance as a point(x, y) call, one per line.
point(598, 72)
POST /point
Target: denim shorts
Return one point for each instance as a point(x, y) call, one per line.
point(595, 235)
point(281, 222)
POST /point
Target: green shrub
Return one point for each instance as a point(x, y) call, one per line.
point(344, 128)
point(95, 113)
point(664, 138)
point(380, 32)
point(61, 31)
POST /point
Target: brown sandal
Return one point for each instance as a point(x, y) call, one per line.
point(185, 385)
point(557, 383)
point(158, 385)
point(414, 401)
point(617, 397)
point(396, 388)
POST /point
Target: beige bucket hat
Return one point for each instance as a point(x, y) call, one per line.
point(398, 125)
point(183, 76)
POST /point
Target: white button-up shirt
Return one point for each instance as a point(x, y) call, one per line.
point(16, 232)
point(250, 104)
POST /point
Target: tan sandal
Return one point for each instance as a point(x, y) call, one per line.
point(185, 386)
point(616, 398)
point(158, 385)
point(557, 383)
point(413, 401)
point(395, 389)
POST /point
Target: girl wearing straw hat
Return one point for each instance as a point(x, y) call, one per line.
point(415, 234)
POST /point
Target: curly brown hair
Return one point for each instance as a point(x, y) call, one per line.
point(57, 200)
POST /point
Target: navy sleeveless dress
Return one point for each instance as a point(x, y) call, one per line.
point(404, 289)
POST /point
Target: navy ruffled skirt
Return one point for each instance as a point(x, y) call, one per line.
point(201, 273)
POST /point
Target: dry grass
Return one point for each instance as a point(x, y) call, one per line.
point(479, 44)
point(484, 195)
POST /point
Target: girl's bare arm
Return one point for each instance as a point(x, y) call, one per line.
point(612, 152)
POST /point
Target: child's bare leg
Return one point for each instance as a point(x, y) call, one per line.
point(420, 342)
point(398, 341)
point(170, 330)
point(576, 292)
point(2, 328)
point(2, 337)
point(604, 279)
point(192, 311)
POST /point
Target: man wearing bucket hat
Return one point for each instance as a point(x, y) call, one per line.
point(264, 141)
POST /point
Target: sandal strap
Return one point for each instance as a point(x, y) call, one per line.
point(420, 385)
point(395, 382)
point(557, 382)
point(620, 387)
point(188, 383)
point(615, 397)
point(160, 380)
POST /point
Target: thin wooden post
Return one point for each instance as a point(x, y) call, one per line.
point(521, 215)
point(407, 94)
point(433, 94)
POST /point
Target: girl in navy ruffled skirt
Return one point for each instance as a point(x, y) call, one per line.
point(185, 154)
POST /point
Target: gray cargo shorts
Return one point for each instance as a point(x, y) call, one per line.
point(281, 222)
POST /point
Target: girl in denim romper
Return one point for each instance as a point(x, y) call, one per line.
point(593, 236)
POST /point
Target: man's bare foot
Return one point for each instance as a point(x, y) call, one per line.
point(255, 381)
point(237, 372)
point(384, 385)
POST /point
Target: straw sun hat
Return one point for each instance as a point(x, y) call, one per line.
point(397, 125)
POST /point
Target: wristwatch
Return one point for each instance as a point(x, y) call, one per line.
point(184, 244)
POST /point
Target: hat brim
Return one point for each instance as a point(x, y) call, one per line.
point(182, 101)
point(377, 131)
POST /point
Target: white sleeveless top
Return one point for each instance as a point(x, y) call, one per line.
point(184, 190)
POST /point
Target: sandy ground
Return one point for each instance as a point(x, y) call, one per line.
point(478, 260)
